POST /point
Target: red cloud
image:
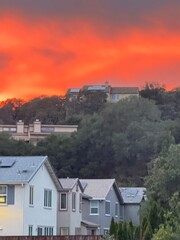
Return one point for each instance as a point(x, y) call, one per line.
point(46, 58)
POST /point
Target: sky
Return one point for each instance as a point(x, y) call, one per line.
point(48, 46)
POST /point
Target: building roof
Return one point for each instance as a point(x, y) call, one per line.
point(133, 195)
point(89, 224)
point(74, 90)
point(69, 183)
point(20, 169)
point(99, 188)
point(124, 90)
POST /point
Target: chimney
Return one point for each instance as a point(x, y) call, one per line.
point(20, 126)
point(37, 126)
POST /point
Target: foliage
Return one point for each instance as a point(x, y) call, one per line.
point(164, 175)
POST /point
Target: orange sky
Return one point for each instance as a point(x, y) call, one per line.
point(45, 54)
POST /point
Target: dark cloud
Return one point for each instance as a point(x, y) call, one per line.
point(57, 57)
point(114, 13)
point(4, 60)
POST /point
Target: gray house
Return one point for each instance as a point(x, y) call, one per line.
point(101, 201)
point(70, 207)
point(133, 197)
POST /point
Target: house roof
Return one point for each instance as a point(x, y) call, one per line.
point(132, 195)
point(99, 188)
point(89, 224)
point(124, 90)
point(20, 170)
point(69, 183)
point(74, 90)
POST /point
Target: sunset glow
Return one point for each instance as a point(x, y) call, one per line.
point(47, 54)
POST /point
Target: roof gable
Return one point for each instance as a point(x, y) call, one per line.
point(70, 183)
point(99, 188)
point(23, 169)
point(132, 195)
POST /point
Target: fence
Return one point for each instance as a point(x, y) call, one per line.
point(77, 237)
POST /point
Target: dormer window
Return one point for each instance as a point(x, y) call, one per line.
point(3, 194)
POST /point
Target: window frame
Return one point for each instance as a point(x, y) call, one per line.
point(47, 198)
point(60, 205)
point(30, 230)
point(4, 195)
point(116, 209)
point(73, 201)
point(94, 207)
point(80, 202)
point(31, 195)
point(109, 207)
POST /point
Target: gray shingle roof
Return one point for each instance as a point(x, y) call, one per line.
point(124, 90)
point(132, 195)
point(97, 188)
point(68, 183)
point(21, 169)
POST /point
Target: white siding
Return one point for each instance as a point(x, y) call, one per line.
point(38, 215)
point(11, 216)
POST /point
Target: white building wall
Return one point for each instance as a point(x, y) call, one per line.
point(11, 216)
point(37, 215)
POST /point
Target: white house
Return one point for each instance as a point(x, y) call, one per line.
point(28, 196)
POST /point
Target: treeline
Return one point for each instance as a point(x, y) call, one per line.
point(136, 141)
point(59, 110)
point(118, 140)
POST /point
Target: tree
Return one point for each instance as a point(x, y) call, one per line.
point(164, 175)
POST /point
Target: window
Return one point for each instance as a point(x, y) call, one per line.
point(107, 207)
point(64, 231)
point(45, 231)
point(73, 201)
point(31, 195)
point(30, 230)
point(3, 194)
point(80, 202)
point(39, 231)
point(47, 198)
point(116, 209)
point(63, 201)
point(106, 231)
point(48, 231)
point(94, 207)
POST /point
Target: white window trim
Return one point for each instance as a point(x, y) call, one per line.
point(97, 207)
point(64, 209)
point(108, 214)
point(74, 201)
point(117, 204)
point(48, 191)
point(31, 195)
point(80, 202)
point(2, 195)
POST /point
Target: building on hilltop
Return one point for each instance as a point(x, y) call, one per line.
point(113, 94)
point(35, 132)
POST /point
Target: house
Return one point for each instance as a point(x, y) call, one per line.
point(118, 93)
point(37, 131)
point(72, 94)
point(28, 196)
point(101, 201)
point(113, 94)
point(70, 207)
point(133, 198)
